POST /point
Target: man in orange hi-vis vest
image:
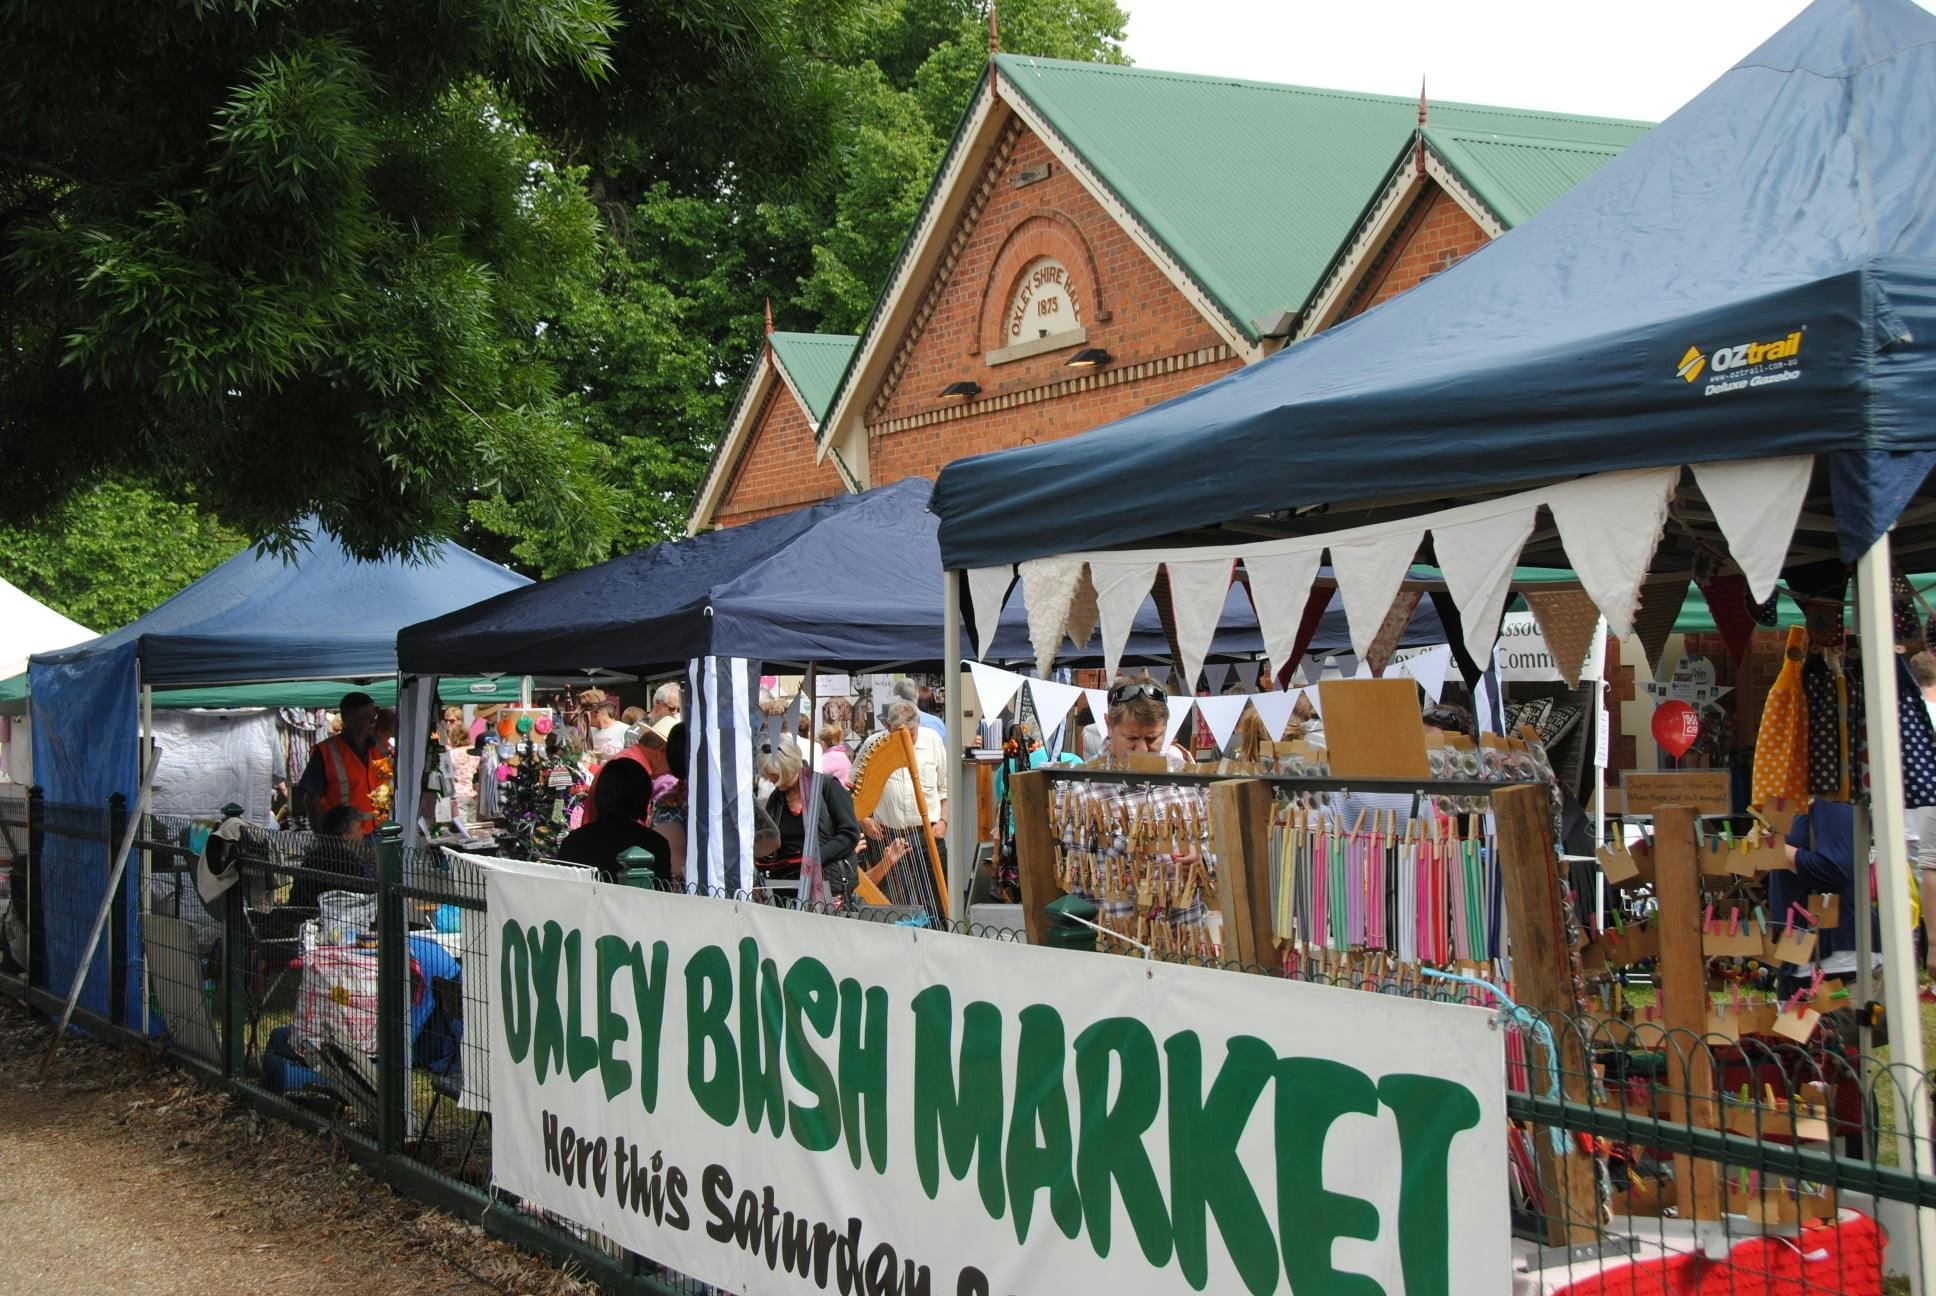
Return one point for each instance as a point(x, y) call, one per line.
point(339, 770)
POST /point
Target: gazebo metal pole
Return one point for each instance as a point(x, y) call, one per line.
point(961, 781)
point(1875, 622)
point(147, 862)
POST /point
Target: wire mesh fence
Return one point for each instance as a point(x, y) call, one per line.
point(327, 977)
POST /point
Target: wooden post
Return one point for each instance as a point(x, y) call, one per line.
point(1543, 981)
point(1240, 812)
point(1034, 850)
point(1684, 1001)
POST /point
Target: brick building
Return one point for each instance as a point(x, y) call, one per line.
point(1100, 239)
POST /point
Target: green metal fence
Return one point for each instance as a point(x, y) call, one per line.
point(1619, 1131)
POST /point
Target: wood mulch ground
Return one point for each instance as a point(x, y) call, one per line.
point(119, 1173)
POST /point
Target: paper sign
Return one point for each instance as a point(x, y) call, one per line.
point(1703, 791)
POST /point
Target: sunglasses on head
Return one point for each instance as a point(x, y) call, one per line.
point(1121, 693)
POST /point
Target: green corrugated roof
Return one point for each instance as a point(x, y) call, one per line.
point(814, 363)
point(1251, 186)
point(1518, 175)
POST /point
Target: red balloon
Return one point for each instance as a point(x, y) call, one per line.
point(1676, 726)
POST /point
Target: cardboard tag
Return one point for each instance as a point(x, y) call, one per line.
point(1715, 857)
point(1826, 910)
point(1779, 817)
point(1790, 945)
point(1797, 1026)
point(1618, 864)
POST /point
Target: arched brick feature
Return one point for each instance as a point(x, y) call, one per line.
point(1049, 234)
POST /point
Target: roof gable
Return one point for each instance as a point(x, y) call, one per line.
point(1161, 141)
point(1516, 176)
point(813, 364)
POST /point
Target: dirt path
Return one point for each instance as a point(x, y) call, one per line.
point(119, 1174)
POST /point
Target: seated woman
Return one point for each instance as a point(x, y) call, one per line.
point(624, 789)
point(837, 831)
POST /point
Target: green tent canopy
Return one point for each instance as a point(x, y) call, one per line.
point(307, 694)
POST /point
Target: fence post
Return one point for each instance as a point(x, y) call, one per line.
point(234, 988)
point(36, 926)
point(117, 914)
point(393, 974)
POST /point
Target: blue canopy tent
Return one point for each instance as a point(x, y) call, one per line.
point(852, 583)
point(257, 618)
point(1732, 325)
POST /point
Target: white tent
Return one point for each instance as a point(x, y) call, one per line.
point(28, 626)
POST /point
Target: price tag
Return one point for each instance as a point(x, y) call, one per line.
point(1601, 740)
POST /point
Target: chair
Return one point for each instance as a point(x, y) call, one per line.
point(447, 998)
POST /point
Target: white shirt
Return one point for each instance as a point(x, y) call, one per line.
point(898, 808)
point(609, 741)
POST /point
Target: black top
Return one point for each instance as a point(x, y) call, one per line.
point(839, 829)
point(598, 845)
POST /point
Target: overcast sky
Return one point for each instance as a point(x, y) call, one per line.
point(1638, 58)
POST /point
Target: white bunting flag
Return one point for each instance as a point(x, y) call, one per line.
point(1049, 588)
point(1429, 668)
point(1275, 709)
point(1221, 714)
point(1756, 502)
point(1217, 674)
point(1053, 702)
point(1198, 590)
point(1478, 560)
point(1099, 708)
point(1180, 709)
point(994, 687)
point(988, 590)
point(1610, 524)
point(1312, 696)
point(1120, 591)
point(1280, 586)
point(1370, 573)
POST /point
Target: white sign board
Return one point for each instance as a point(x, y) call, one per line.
point(1522, 657)
point(775, 1101)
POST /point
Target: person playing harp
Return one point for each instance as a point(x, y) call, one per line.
point(897, 816)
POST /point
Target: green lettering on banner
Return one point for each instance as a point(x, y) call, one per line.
point(648, 992)
point(811, 998)
point(1311, 1094)
point(581, 1050)
point(615, 955)
point(1111, 1148)
point(863, 1071)
point(548, 1028)
point(1041, 1107)
point(1431, 1112)
point(1206, 1176)
point(514, 988)
point(964, 1117)
point(760, 1022)
point(709, 1001)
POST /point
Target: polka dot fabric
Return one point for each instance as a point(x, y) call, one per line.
point(1918, 740)
point(1781, 747)
point(1828, 745)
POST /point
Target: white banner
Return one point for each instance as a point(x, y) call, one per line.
point(777, 1101)
point(1522, 657)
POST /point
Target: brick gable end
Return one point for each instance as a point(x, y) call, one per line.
point(776, 472)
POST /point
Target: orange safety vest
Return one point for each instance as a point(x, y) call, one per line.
point(348, 780)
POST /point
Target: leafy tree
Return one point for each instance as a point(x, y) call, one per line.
point(113, 551)
point(288, 257)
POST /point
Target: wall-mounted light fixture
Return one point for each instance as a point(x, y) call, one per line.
point(965, 390)
point(1090, 358)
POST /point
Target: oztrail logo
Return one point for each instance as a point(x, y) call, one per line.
point(1744, 365)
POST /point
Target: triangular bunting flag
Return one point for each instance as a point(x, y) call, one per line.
point(1053, 702)
point(1049, 587)
point(1222, 714)
point(1315, 606)
point(1198, 590)
point(1610, 524)
point(1180, 709)
point(1385, 642)
point(1429, 668)
point(1280, 588)
point(1120, 591)
point(1726, 593)
point(1478, 559)
point(1217, 674)
point(1310, 694)
point(1660, 607)
point(1274, 709)
point(988, 591)
point(1756, 502)
point(994, 687)
point(1099, 708)
point(1369, 574)
point(1568, 619)
point(1084, 613)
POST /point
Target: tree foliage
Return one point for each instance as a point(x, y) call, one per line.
point(478, 268)
point(113, 551)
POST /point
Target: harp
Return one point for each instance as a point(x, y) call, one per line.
point(915, 878)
